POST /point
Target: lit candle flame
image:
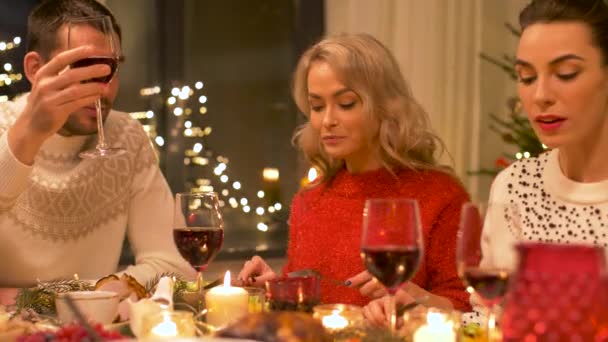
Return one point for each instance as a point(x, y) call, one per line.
point(438, 328)
point(335, 321)
point(166, 328)
point(437, 320)
point(227, 279)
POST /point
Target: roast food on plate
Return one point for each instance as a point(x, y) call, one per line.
point(11, 327)
point(277, 327)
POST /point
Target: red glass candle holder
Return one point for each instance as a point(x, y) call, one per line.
point(558, 293)
point(293, 293)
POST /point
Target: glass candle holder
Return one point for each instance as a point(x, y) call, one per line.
point(168, 324)
point(337, 317)
point(432, 324)
point(192, 297)
point(257, 299)
point(559, 293)
point(293, 293)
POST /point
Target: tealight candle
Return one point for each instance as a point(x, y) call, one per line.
point(166, 328)
point(225, 304)
point(437, 328)
point(334, 321)
point(167, 324)
point(336, 317)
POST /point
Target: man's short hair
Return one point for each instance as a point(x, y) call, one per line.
point(46, 19)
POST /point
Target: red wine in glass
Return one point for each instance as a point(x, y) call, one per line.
point(199, 245)
point(98, 33)
point(391, 265)
point(391, 244)
point(490, 277)
point(109, 61)
point(490, 284)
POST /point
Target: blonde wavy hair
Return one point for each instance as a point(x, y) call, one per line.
point(400, 132)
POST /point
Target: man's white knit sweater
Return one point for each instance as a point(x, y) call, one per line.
point(67, 215)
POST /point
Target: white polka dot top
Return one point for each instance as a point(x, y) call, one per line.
point(552, 207)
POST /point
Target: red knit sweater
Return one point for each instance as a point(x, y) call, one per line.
point(325, 230)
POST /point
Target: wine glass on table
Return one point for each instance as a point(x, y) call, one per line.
point(488, 280)
point(99, 33)
point(198, 229)
point(391, 245)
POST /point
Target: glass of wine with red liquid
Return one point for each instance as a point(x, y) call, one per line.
point(198, 228)
point(391, 245)
point(99, 33)
point(488, 279)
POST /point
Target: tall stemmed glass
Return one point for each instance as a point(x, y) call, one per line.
point(99, 33)
point(391, 245)
point(490, 279)
point(198, 228)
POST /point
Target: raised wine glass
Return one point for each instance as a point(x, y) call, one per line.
point(198, 228)
point(99, 33)
point(391, 245)
point(488, 279)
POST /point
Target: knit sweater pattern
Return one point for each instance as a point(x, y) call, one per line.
point(65, 215)
point(326, 226)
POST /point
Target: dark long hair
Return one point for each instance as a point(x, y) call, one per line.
point(594, 13)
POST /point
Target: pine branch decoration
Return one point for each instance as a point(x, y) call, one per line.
point(178, 288)
point(41, 298)
point(504, 64)
point(152, 283)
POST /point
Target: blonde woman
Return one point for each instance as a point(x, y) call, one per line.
point(369, 138)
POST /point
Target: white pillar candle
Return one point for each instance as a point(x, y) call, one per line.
point(437, 329)
point(226, 304)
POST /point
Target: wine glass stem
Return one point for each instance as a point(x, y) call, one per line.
point(101, 138)
point(199, 281)
point(491, 324)
point(199, 286)
point(393, 314)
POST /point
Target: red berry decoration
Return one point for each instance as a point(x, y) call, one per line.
point(70, 333)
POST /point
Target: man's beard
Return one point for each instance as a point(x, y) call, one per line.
point(74, 126)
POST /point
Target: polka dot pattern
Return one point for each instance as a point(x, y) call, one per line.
point(547, 218)
point(551, 208)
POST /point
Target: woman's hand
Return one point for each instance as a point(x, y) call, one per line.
point(367, 285)
point(378, 311)
point(255, 272)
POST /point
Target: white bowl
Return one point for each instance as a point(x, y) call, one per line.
point(96, 306)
